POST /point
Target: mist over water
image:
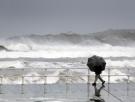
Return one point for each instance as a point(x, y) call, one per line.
point(110, 43)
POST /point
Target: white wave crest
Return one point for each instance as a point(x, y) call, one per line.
point(70, 51)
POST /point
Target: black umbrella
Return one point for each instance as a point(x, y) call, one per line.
point(96, 63)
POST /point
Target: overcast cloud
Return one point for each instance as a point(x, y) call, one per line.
point(54, 16)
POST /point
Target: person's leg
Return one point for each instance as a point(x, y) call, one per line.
point(101, 79)
point(96, 78)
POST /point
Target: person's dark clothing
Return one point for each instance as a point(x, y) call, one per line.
point(98, 70)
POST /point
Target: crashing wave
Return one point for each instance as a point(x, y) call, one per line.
point(111, 43)
point(111, 37)
point(19, 47)
point(3, 48)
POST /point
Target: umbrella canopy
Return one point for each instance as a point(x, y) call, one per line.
point(96, 63)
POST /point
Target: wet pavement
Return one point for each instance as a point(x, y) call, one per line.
point(114, 92)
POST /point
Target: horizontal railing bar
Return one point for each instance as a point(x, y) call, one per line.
point(47, 68)
point(61, 75)
point(58, 68)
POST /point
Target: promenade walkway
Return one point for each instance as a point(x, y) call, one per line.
point(117, 92)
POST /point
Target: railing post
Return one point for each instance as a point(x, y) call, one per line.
point(22, 85)
point(128, 77)
point(128, 80)
point(67, 80)
point(109, 75)
point(1, 78)
point(88, 82)
point(109, 80)
point(45, 79)
point(67, 76)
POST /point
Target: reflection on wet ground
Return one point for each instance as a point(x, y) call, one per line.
point(117, 92)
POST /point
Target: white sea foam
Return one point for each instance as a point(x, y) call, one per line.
point(36, 71)
point(71, 51)
point(42, 64)
point(12, 64)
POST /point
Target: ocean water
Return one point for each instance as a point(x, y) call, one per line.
point(65, 51)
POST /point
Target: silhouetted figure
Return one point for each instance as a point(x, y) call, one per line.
point(96, 64)
point(97, 95)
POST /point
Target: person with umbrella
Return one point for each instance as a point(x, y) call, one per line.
point(96, 64)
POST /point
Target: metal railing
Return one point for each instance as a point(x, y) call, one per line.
point(6, 73)
point(22, 74)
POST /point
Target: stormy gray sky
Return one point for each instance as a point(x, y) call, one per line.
point(55, 16)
